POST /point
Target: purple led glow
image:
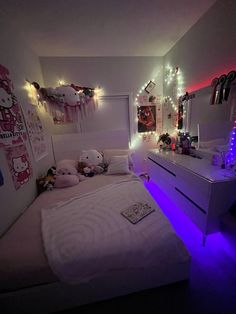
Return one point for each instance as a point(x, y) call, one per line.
point(217, 244)
point(231, 160)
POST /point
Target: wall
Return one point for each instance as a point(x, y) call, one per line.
point(206, 51)
point(22, 63)
point(114, 75)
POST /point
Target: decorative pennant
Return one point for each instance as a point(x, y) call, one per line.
point(12, 129)
point(19, 164)
point(35, 132)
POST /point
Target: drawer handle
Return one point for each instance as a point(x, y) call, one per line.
point(191, 201)
point(173, 174)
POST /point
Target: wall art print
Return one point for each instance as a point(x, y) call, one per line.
point(35, 132)
point(146, 118)
point(12, 128)
point(19, 164)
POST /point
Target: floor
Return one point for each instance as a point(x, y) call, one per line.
point(211, 288)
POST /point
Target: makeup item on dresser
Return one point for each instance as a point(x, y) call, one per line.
point(186, 146)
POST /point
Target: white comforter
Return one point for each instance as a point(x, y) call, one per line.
point(87, 236)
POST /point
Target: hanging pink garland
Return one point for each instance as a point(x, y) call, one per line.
point(67, 103)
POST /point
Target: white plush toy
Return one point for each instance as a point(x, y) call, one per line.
point(69, 94)
point(93, 160)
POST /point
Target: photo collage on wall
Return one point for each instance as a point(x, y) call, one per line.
point(13, 134)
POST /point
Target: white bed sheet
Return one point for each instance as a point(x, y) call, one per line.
point(87, 237)
point(27, 279)
point(23, 262)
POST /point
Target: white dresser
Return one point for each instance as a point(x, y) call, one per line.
point(204, 192)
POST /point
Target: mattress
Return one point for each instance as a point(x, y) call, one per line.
point(23, 262)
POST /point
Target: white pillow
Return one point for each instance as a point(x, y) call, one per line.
point(118, 165)
point(109, 153)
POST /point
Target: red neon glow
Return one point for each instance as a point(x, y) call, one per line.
point(208, 79)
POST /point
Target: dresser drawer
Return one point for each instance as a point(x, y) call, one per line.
point(192, 210)
point(159, 171)
point(194, 187)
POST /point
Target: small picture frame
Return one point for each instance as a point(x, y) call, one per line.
point(150, 87)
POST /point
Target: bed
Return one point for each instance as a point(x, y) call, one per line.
point(73, 246)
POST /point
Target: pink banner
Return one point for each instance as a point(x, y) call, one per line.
point(12, 129)
point(19, 164)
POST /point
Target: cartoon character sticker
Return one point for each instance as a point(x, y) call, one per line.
point(12, 130)
point(21, 169)
point(19, 164)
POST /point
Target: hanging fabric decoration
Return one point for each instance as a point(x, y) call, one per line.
point(230, 78)
point(12, 129)
point(214, 84)
point(221, 87)
point(220, 95)
point(35, 132)
point(19, 164)
point(67, 103)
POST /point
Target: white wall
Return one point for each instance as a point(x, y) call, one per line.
point(114, 75)
point(22, 63)
point(206, 51)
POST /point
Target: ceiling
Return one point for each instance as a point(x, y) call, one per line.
point(103, 27)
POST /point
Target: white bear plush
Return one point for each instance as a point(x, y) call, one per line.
point(93, 160)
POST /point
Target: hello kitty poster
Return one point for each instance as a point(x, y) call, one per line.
point(12, 128)
point(19, 164)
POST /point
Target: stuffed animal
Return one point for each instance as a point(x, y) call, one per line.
point(66, 176)
point(85, 170)
point(93, 161)
point(50, 94)
point(69, 95)
point(47, 182)
point(50, 178)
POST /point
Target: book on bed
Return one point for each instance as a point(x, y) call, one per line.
point(137, 211)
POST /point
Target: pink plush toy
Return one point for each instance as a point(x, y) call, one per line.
point(66, 176)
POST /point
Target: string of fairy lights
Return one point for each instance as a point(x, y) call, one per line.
point(232, 143)
point(141, 90)
point(173, 78)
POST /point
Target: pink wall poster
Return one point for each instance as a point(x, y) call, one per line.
point(12, 129)
point(19, 164)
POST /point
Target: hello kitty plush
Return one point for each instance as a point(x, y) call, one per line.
point(69, 94)
point(21, 169)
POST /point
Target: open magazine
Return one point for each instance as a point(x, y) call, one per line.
point(137, 211)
